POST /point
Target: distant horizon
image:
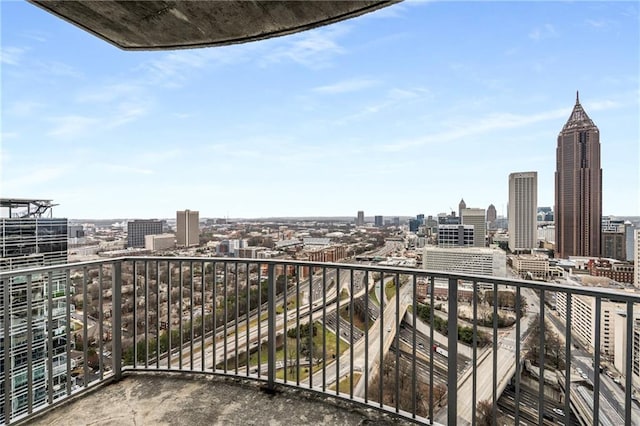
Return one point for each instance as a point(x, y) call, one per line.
point(636, 217)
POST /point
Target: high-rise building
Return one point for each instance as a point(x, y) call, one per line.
point(139, 228)
point(462, 205)
point(188, 228)
point(629, 236)
point(477, 218)
point(523, 205)
point(360, 218)
point(492, 215)
point(578, 187)
point(378, 221)
point(29, 239)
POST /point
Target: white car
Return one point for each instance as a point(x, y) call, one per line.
point(558, 411)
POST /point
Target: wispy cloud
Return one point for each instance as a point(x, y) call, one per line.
point(345, 86)
point(24, 108)
point(543, 32)
point(121, 168)
point(71, 126)
point(173, 69)
point(598, 23)
point(485, 124)
point(11, 55)
point(36, 177)
point(314, 49)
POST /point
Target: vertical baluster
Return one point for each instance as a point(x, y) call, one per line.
point(432, 289)
point(116, 320)
point(567, 379)
point(351, 307)
point(324, 325)
point(338, 317)
point(157, 314)
point(397, 341)
point(271, 330)
point(49, 337)
point(366, 336)
point(85, 323)
point(146, 314)
point(474, 355)
point(203, 316)
point(169, 308)
point(414, 376)
point(298, 269)
point(494, 394)
point(596, 370)
point(284, 326)
point(135, 314)
point(452, 359)
point(191, 307)
point(311, 326)
point(236, 318)
point(518, 371)
point(541, 361)
point(29, 345)
point(180, 314)
point(101, 322)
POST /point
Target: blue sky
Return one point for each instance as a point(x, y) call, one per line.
point(398, 112)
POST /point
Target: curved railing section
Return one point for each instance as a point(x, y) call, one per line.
point(390, 338)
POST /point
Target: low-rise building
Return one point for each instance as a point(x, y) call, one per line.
point(621, 272)
point(531, 266)
point(159, 242)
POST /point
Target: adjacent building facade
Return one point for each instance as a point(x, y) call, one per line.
point(187, 228)
point(578, 187)
point(523, 206)
point(29, 239)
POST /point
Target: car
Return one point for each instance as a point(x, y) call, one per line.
point(420, 345)
point(558, 411)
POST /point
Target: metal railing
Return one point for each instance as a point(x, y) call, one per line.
point(386, 337)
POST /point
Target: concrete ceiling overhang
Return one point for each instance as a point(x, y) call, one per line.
point(158, 25)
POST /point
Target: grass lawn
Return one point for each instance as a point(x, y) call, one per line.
point(345, 384)
point(331, 347)
point(390, 289)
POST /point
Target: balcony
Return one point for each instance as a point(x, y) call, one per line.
point(345, 342)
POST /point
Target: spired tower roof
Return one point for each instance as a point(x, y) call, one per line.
point(578, 118)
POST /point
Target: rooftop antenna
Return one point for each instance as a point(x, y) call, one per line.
point(577, 97)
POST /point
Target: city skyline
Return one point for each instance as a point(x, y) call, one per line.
point(374, 105)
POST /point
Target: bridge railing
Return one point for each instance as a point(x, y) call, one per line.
point(386, 337)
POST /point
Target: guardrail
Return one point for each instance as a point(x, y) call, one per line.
point(319, 326)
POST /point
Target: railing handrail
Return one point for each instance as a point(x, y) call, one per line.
point(602, 292)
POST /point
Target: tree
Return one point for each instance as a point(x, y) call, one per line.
point(484, 413)
point(553, 350)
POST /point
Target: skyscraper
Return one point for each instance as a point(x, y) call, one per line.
point(492, 215)
point(378, 221)
point(578, 187)
point(188, 228)
point(477, 218)
point(523, 209)
point(462, 205)
point(28, 239)
point(360, 218)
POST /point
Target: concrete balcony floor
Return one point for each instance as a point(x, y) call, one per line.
point(182, 399)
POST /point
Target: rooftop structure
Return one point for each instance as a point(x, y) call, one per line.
point(25, 207)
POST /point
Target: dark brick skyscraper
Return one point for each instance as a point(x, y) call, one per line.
point(578, 198)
